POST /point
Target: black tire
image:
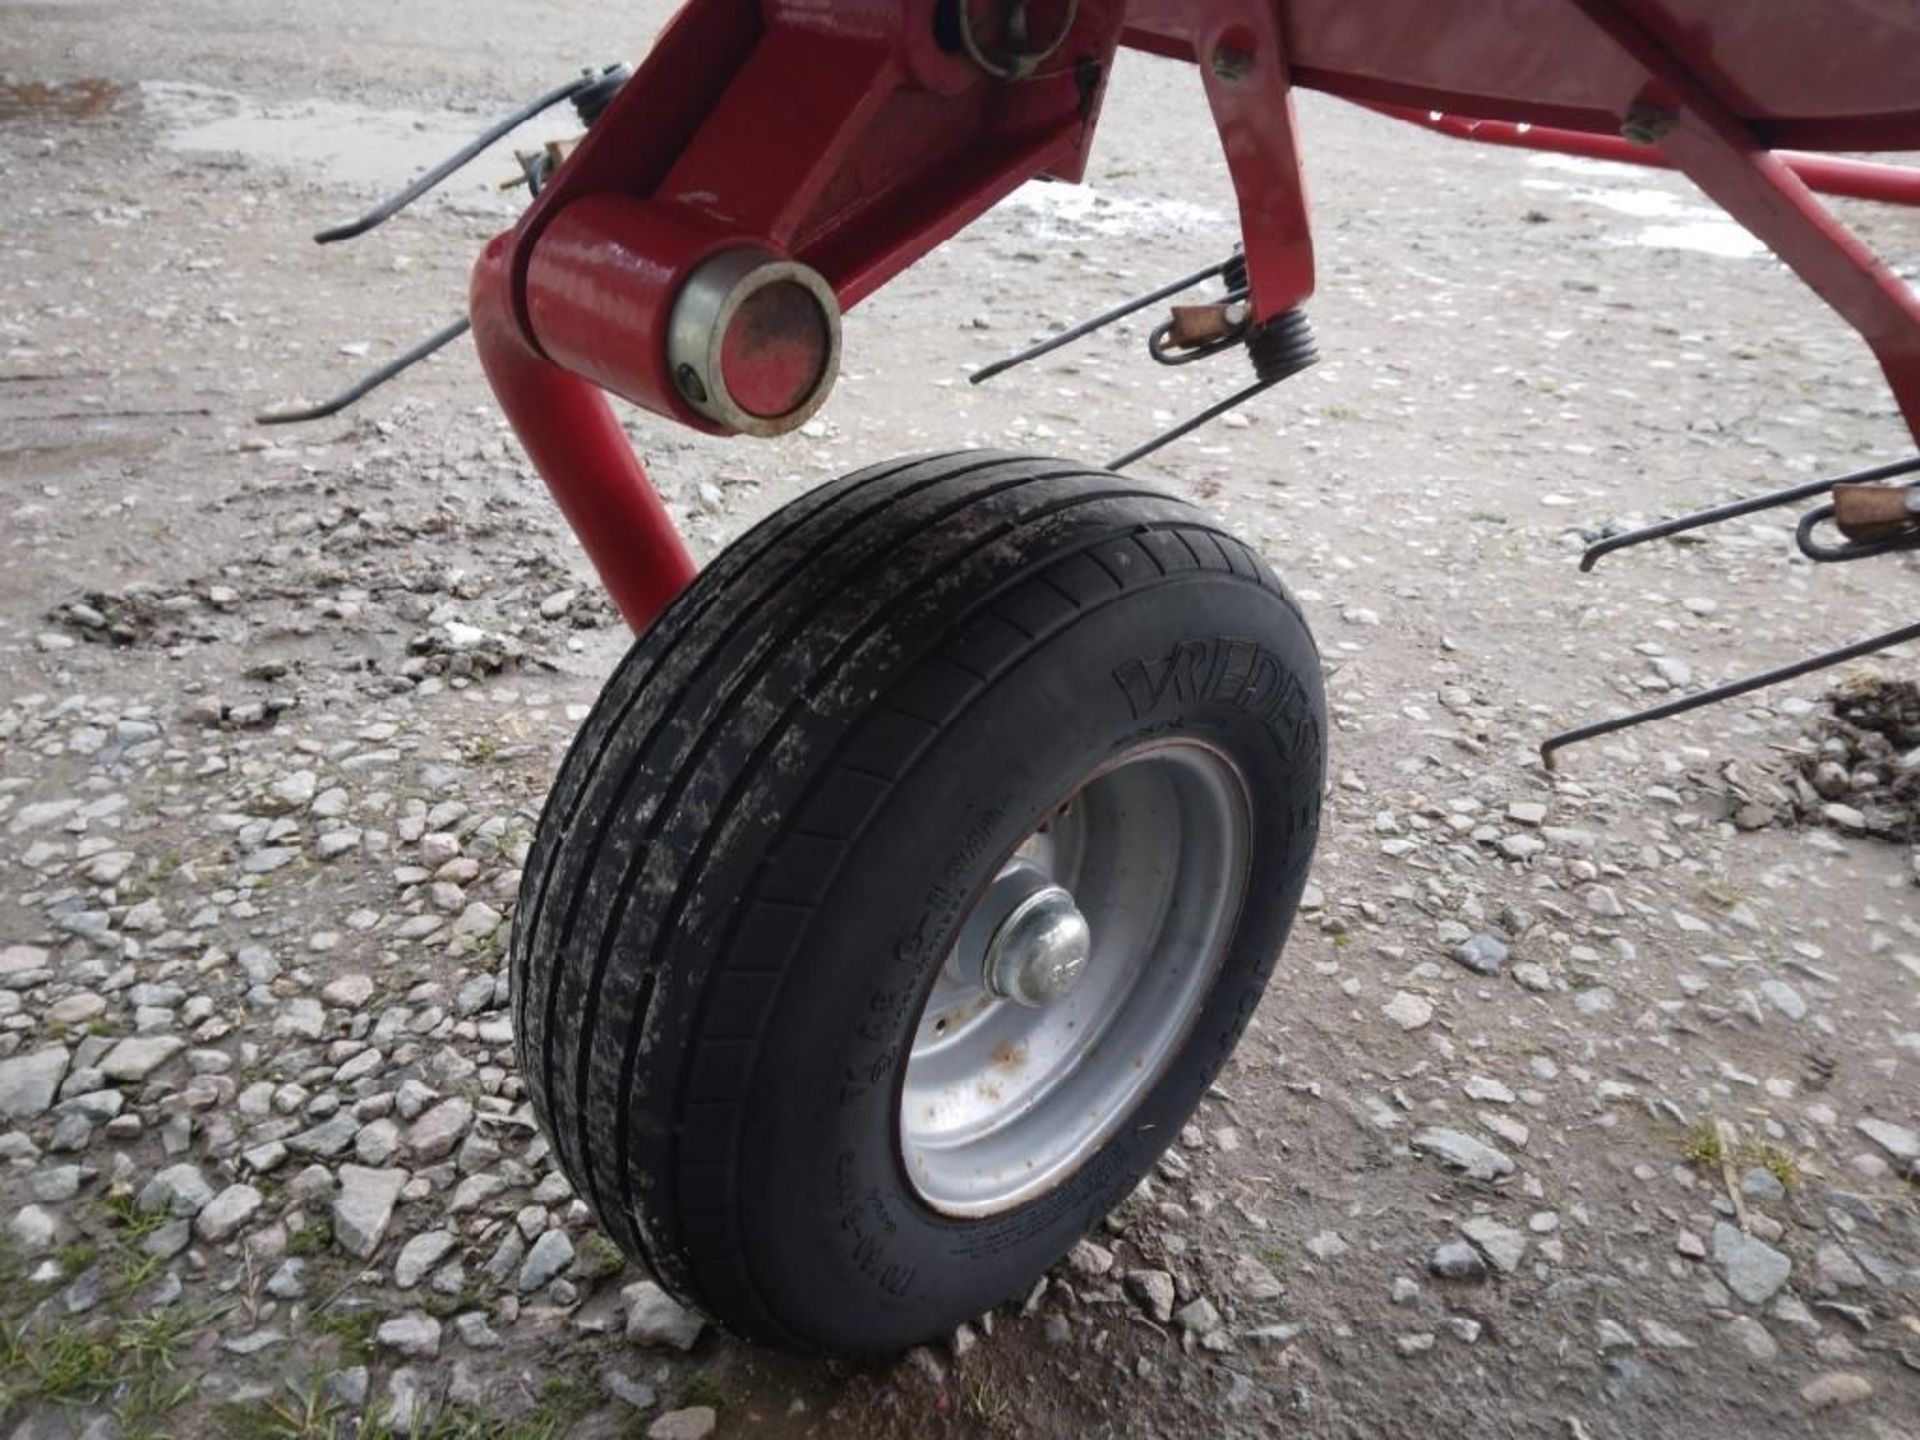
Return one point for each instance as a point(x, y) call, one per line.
point(743, 881)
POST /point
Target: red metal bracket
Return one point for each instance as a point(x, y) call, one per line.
point(1244, 64)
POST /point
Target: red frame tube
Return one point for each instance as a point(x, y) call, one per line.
point(1826, 174)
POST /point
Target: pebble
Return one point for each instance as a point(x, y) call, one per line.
point(1662, 1336)
point(655, 1318)
point(1752, 1337)
point(138, 1056)
point(223, 1217)
point(1327, 1245)
point(1753, 1269)
point(420, 1254)
point(28, 1083)
point(435, 1133)
point(1482, 1087)
point(1154, 1289)
point(1501, 1244)
point(696, 1422)
point(550, 1254)
point(1785, 998)
point(364, 1207)
point(415, 1335)
point(1198, 1317)
point(474, 1331)
point(1462, 1152)
point(1457, 1260)
point(180, 1190)
point(1408, 1011)
point(1897, 1140)
point(289, 1281)
point(33, 1229)
point(1482, 954)
point(1253, 1280)
point(1836, 1388)
point(637, 1393)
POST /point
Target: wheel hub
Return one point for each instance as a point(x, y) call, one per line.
point(1074, 978)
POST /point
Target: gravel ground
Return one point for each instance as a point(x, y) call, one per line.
point(1582, 1105)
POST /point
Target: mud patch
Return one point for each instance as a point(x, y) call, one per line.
point(87, 99)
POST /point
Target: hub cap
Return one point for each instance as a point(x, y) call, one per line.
point(1075, 980)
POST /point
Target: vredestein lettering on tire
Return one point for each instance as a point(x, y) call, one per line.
point(909, 883)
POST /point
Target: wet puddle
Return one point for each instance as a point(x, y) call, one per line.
point(355, 147)
point(1622, 189)
point(87, 99)
point(1074, 212)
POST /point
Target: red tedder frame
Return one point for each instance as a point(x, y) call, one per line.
point(847, 138)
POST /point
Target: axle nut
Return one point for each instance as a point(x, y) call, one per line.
point(1039, 950)
point(753, 342)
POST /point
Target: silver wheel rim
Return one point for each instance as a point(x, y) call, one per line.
point(1007, 1094)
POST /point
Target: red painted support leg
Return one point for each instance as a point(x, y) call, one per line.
point(577, 445)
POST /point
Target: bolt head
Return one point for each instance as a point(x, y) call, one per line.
point(1232, 64)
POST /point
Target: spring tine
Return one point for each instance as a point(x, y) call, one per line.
point(1192, 423)
point(1728, 691)
point(394, 204)
point(1734, 509)
point(1087, 327)
point(367, 384)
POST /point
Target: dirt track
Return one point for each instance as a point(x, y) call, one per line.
point(208, 630)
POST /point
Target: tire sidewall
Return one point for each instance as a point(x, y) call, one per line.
point(839, 1244)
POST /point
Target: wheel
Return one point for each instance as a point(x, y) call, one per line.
point(908, 885)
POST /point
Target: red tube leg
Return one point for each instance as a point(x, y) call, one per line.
point(577, 445)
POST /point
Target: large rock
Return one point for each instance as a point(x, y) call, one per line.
point(364, 1207)
point(1753, 1269)
point(656, 1318)
point(28, 1083)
